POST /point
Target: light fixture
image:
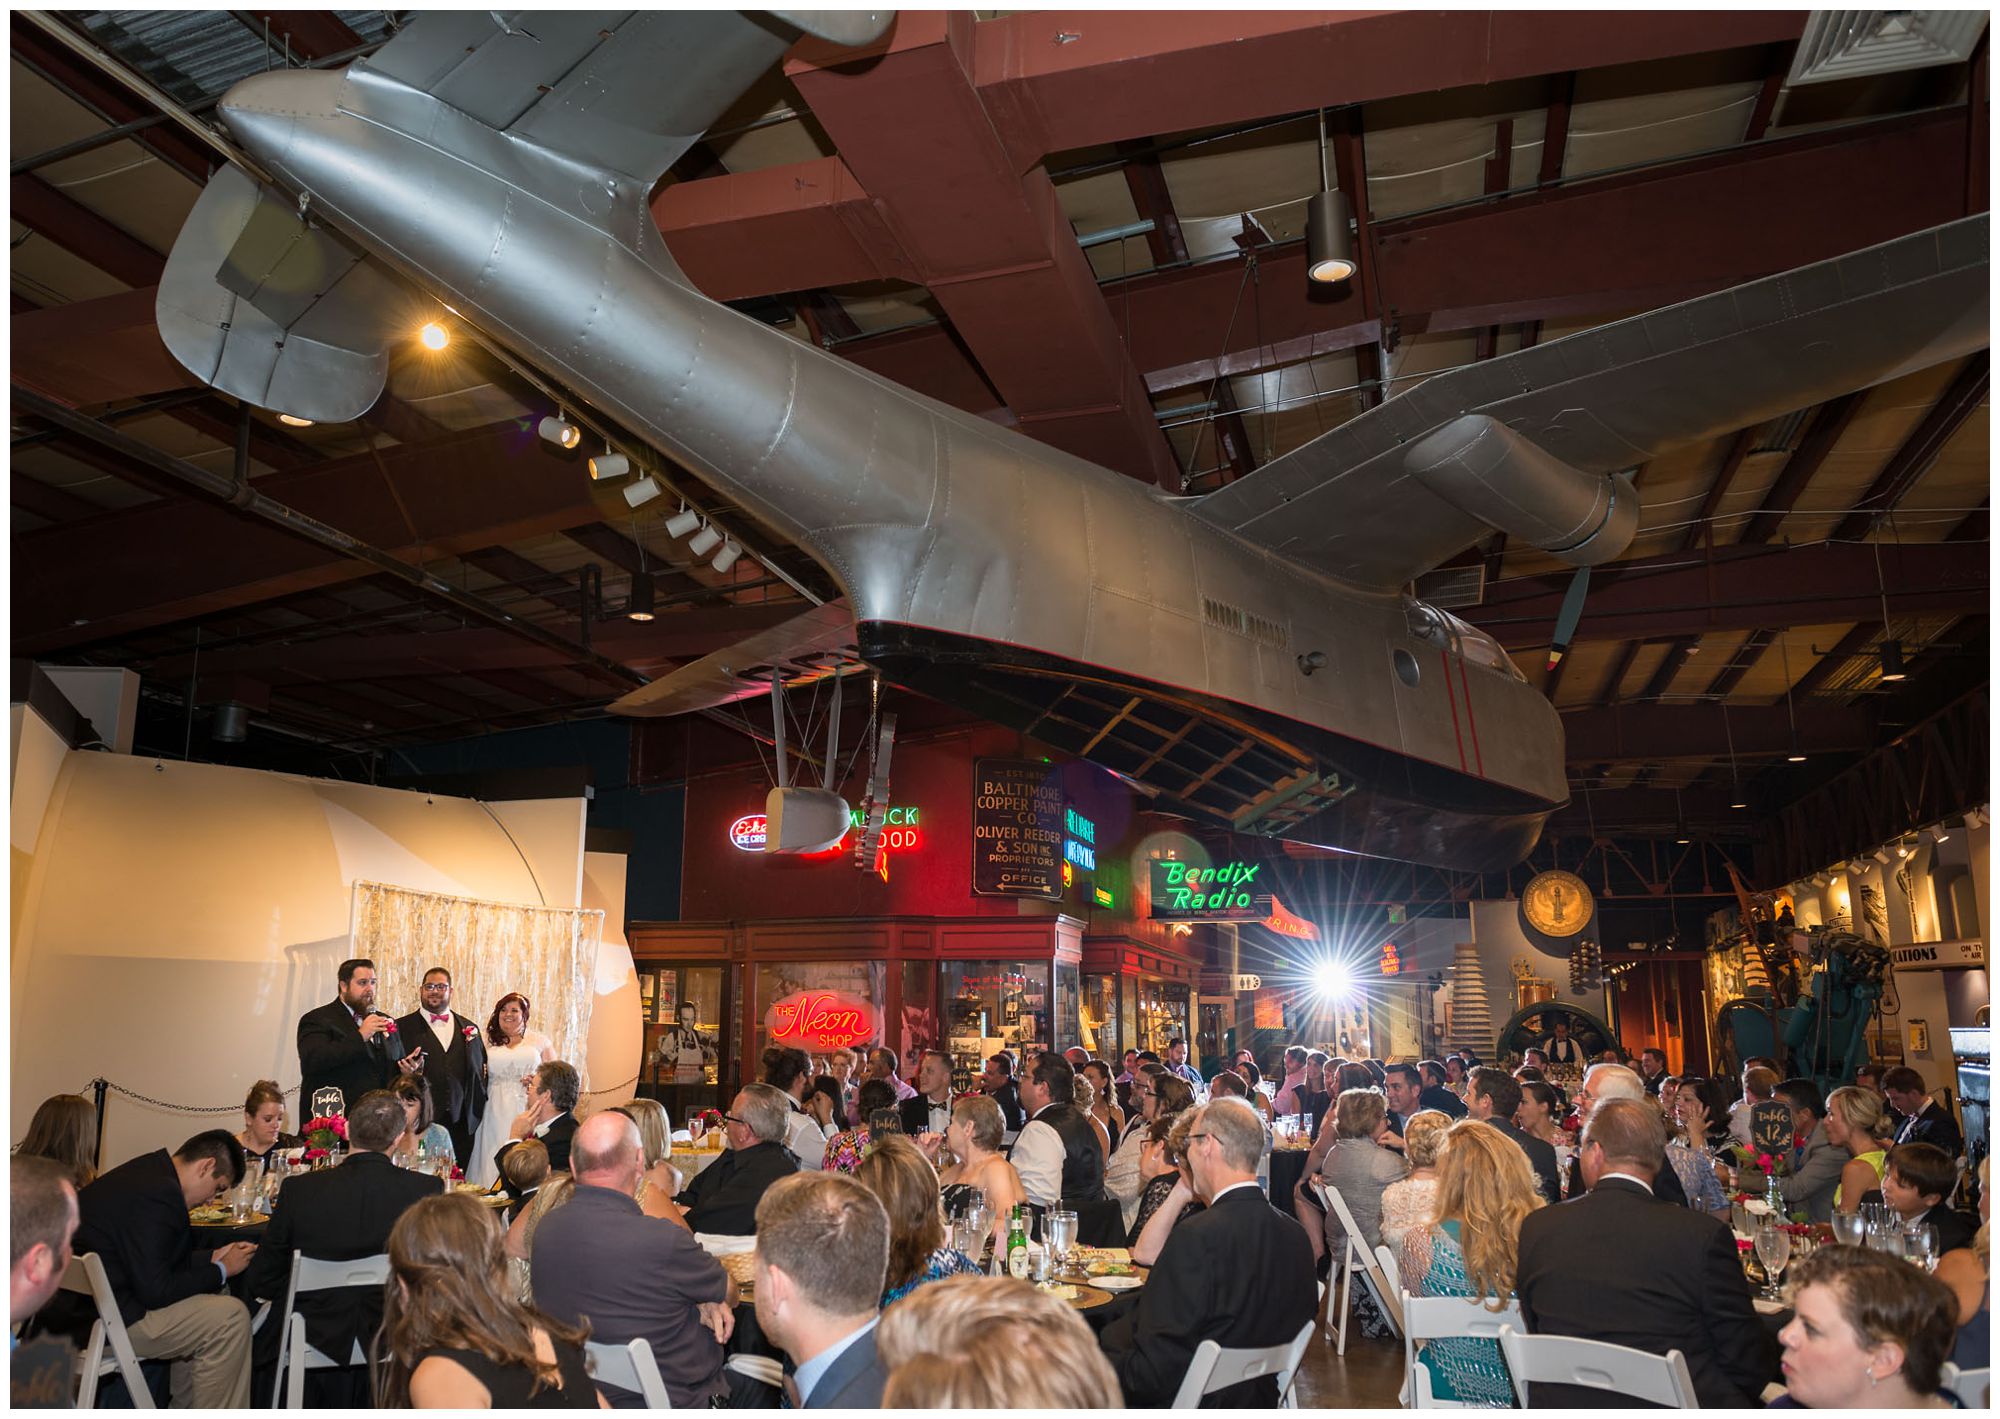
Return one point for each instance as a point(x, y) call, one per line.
point(1859, 864)
point(705, 541)
point(1882, 856)
point(1820, 879)
point(1892, 662)
point(433, 336)
point(1332, 979)
point(683, 522)
point(230, 723)
point(639, 605)
point(727, 557)
point(1902, 848)
point(559, 431)
point(295, 421)
point(642, 492)
point(607, 465)
point(1791, 719)
point(1938, 834)
point(1329, 232)
point(1680, 820)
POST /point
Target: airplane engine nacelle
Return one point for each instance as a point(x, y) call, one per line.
point(802, 820)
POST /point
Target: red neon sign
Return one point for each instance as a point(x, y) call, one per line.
point(823, 1019)
point(747, 834)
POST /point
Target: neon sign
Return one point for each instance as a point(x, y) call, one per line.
point(1229, 891)
point(901, 834)
point(1079, 842)
point(1103, 897)
point(824, 1019)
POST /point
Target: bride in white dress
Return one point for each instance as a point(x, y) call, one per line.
point(508, 1066)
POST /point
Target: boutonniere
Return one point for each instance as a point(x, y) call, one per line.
point(471, 1032)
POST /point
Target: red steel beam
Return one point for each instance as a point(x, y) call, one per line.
point(82, 233)
point(1555, 130)
point(96, 351)
point(311, 34)
point(1963, 397)
point(1742, 589)
point(1855, 642)
point(1822, 433)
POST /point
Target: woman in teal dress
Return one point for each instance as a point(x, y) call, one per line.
point(1485, 1188)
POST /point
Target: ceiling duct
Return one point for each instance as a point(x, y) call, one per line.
point(1848, 44)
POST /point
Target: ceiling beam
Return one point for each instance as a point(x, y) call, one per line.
point(306, 34)
point(1741, 589)
point(1718, 488)
point(1154, 202)
point(1555, 129)
point(1822, 433)
point(1856, 642)
point(1964, 396)
point(52, 213)
point(95, 352)
point(1747, 655)
point(1777, 66)
point(1619, 670)
point(624, 554)
point(47, 501)
point(108, 99)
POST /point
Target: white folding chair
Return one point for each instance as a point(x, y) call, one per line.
point(629, 1367)
point(296, 1354)
point(85, 1276)
point(1215, 1368)
point(1357, 1259)
point(1971, 1386)
point(1596, 1364)
point(1444, 1318)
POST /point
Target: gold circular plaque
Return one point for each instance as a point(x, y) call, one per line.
point(1557, 905)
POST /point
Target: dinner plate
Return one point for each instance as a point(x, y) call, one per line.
point(1117, 1283)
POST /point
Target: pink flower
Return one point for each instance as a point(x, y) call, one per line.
point(471, 1032)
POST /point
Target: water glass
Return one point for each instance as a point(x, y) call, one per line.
point(1920, 1244)
point(1774, 1250)
point(1850, 1229)
point(1062, 1236)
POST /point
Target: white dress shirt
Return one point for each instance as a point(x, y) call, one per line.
point(807, 1143)
point(1037, 1156)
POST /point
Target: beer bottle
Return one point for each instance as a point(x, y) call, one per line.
point(1017, 1245)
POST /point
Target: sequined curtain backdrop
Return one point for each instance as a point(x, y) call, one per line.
point(491, 948)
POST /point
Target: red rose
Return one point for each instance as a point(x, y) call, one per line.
point(471, 1031)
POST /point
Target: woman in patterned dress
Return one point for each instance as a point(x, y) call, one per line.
point(846, 1149)
point(1485, 1189)
point(906, 1184)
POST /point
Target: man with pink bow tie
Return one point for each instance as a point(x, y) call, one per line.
point(454, 1060)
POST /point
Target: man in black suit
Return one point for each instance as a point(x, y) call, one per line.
point(1602, 1082)
point(1239, 1273)
point(1436, 1093)
point(930, 1111)
point(1614, 1265)
point(1559, 1049)
point(348, 1044)
point(598, 1257)
point(996, 1081)
point(822, 1256)
point(338, 1214)
point(723, 1197)
point(553, 1090)
point(1492, 1098)
point(1924, 1121)
point(454, 1060)
point(44, 1217)
point(170, 1294)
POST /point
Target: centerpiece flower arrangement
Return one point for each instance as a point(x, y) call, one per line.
point(323, 1135)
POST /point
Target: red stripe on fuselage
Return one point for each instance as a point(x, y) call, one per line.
point(1471, 720)
point(1451, 698)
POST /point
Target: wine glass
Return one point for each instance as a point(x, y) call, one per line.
point(1062, 1237)
point(1850, 1228)
point(1920, 1244)
point(1774, 1249)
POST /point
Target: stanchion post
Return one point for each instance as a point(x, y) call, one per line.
point(100, 1090)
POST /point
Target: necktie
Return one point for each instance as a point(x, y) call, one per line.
point(790, 1386)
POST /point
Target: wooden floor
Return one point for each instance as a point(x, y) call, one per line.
point(1367, 1377)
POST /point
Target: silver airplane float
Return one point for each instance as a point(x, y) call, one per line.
point(1253, 657)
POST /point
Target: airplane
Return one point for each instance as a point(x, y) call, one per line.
point(1253, 658)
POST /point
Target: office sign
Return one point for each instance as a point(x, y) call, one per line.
point(1017, 830)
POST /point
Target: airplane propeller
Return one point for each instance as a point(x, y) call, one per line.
point(1569, 615)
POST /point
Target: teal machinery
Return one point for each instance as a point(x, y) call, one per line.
point(1822, 1020)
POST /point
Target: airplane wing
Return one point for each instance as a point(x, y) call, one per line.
point(807, 647)
point(1526, 442)
point(627, 90)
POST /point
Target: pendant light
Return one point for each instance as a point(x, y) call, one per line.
point(639, 604)
point(1891, 651)
point(1791, 719)
point(1330, 255)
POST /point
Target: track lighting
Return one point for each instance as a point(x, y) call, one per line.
point(1938, 834)
point(559, 431)
point(433, 336)
point(683, 522)
point(642, 492)
point(1892, 662)
point(295, 421)
point(1882, 856)
point(727, 557)
point(639, 605)
point(608, 465)
point(1821, 879)
point(705, 541)
point(1858, 865)
point(1902, 849)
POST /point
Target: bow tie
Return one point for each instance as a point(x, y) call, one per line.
point(441, 1019)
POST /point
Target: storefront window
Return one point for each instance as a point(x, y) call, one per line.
point(687, 1041)
point(990, 1006)
point(1098, 1025)
point(919, 1030)
point(1067, 1002)
point(1163, 1014)
point(817, 1006)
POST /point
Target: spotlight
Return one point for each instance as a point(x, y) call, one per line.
point(1902, 849)
point(1892, 662)
point(1795, 757)
point(295, 421)
point(1858, 865)
point(1821, 879)
point(1740, 802)
point(609, 465)
point(1330, 239)
point(639, 605)
point(1333, 979)
point(726, 558)
point(642, 492)
point(1938, 834)
point(434, 336)
point(705, 541)
point(683, 522)
point(559, 431)
point(1882, 856)
point(231, 722)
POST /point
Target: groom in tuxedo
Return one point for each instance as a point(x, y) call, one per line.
point(454, 1061)
point(349, 1044)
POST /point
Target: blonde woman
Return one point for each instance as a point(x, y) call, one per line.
point(520, 1241)
point(1485, 1188)
point(991, 1342)
point(1857, 1121)
point(661, 1180)
point(1407, 1204)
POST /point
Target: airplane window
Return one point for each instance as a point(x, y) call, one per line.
point(1475, 647)
point(1427, 624)
point(1406, 668)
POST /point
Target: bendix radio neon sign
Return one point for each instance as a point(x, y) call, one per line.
point(899, 833)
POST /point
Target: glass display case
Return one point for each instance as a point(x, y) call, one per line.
point(687, 1043)
point(1162, 1014)
point(989, 1006)
point(1097, 1025)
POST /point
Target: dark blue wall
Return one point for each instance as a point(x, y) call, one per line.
point(653, 817)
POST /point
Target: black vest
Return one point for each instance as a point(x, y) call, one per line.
point(1083, 1160)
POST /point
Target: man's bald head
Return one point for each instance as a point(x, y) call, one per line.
point(606, 1151)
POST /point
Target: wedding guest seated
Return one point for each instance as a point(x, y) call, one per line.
point(1857, 1123)
point(1156, 1094)
point(552, 1092)
point(1163, 1163)
point(1699, 1115)
point(845, 1150)
point(1085, 1100)
point(520, 1241)
point(525, 1172)
point(452, 1337)
point(789, 1072)
point(996, 1081)
point(1436, 1092)
point(264, 1123)
point(599, 1260)
point(1359, 1166)
point(1056, 1153)
point(723, 1197)
point(1760, 1085)
point(1485, 1190)
point(661, 1179)
point(1603, 1082)
point(42, 1220)
point(425, 1137)
point(1407, 1202)
point(906, 1185)
point(1868, 1331)
point(822, 1256)
point(1965, 1272)
point(1917, 1180)
point(1817, 1164)
point(171, 1296)
point(982, 1172)
point(824, 1102)
point(338, 1214)
point(929, 1109)
point(64, 1130)
point(1239, 1273)
point(991, 1342)
point(1614, 1265)
point(1491, 1096)
point(1924, 1119)
point(1104, 1107)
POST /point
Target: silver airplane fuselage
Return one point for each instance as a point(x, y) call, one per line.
point(980, 566)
